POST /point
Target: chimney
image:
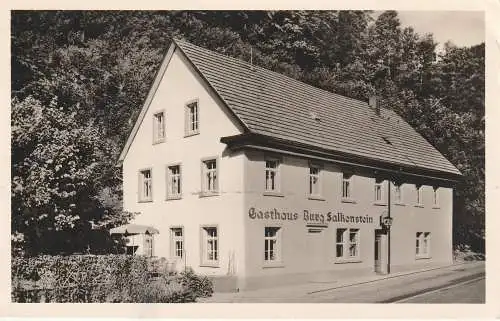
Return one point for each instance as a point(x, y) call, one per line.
point(374, 103)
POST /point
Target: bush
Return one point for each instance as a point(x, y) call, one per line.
point(101, 278)
point(201, 286)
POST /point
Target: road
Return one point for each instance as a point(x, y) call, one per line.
point(453, 284)
point(456, 285)
point(465, 292)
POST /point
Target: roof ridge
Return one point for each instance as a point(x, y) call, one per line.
point(279, 75)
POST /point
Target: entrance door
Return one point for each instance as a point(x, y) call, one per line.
point(380, 252)
point(316, 248)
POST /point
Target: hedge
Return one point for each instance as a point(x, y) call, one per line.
point(102, 278)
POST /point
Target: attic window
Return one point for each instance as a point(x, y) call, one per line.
point(386, 140)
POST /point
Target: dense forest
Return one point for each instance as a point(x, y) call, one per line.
point(79, 78)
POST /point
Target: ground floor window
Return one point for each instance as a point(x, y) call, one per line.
point(272, 244)
point(423, 244)
point(148, 245)
point(347, 243)
point(210, 245)
point(177, 241)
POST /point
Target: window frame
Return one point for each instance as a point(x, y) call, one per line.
point(205, 192)
point(174, 239)
point(419, 195)
point(148, 247)
point(156, 138)
point(346, 244)
point(140, 193)
point(277, 176)
point(349, 178)
point(435, 197)
point(278, 262)
point(187, 118)
point(422, 245)
point(319, 182)
point(379, 182)
point(400, 188)
point(204, 238)
point(168, 179)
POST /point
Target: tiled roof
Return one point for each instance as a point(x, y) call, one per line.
point(275, 105)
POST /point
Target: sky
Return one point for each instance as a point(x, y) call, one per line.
point(463, 28)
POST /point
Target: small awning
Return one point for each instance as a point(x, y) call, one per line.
point(134, 229)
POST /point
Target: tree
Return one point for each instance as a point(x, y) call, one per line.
point(100, 64)
point(56, 171)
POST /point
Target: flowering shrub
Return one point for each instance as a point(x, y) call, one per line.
point(101, 278)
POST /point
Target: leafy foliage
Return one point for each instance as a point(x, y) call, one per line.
point(201, 286)
point(102, 278)
point(91, 70)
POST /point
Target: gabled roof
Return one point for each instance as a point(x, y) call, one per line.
point(273, 105)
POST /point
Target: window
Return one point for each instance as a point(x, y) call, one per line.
point(192, 118)
point(148, 245)
point(177, 242)
point(272, 244)
point(347, 243)
point(314, 181)
point(423, 244)
point(419, 195)
point(158, 127)
point(210, 250)
point(272, 175)
point(435, 197)
point(210, 180)
point(398, 198)
point(378, 191)
point(174, 182)
point(346, 186)
point(145, 186)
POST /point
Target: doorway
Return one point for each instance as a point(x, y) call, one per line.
point(379, 252)
point(316, 248)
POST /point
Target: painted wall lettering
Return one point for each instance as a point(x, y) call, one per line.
point(308, 216)
point(272, 214)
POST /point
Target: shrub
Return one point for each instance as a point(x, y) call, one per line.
point(101, 278)
point(201, 286)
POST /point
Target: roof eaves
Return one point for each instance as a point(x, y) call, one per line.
point(259, 140)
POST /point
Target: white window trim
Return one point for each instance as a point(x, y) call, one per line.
point(204, 191)
point(187, 118)
point(140, 191)
point(419, 195)
point(173, 239)
point(346, 258)
point(147, 249)
point(277, 178)
point(349, 198)
point(401, 200)
point(419, 254)
point(319, 195)
point(169, 194)
point(156, 138)
point(435, 197)
point(204, 246)
point(381, 183)
point(279, 238)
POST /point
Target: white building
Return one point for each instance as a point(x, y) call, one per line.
point(258, 179)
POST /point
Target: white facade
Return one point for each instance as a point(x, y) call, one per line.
point(180, 85)
point(264, 250)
